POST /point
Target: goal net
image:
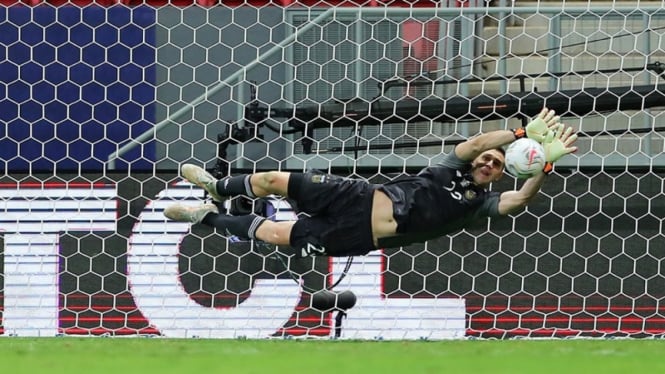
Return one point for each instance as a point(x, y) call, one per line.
point(102, 102)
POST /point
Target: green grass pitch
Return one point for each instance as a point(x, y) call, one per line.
point(202, 356)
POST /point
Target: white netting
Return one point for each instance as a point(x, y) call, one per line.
point(100, 106)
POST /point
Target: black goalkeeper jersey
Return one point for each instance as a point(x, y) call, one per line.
point(440, 200)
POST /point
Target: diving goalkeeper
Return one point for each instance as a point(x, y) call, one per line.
point(347, 217)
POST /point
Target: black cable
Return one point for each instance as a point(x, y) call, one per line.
point(278, 256)
point(296, 279)
point(347, 267)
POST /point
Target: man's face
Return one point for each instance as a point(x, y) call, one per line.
point(487, 167)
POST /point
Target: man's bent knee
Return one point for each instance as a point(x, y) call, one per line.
point(270, 182)
point(278, 233)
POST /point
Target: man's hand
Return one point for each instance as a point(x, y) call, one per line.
point(538, 128)
point(559, 142)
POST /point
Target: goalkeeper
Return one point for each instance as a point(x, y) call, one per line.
point(347, 217)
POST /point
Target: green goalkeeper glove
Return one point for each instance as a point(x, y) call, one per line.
point(539, 127)
point(558, 143)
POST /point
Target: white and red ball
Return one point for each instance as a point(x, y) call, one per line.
point(524, 158)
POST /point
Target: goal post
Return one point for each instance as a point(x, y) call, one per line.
point(101, 104)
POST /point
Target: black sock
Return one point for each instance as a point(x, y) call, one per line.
point(243, 227)
point(238, 185)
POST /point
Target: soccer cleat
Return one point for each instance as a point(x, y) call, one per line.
point(203, 179)
point(186, 213)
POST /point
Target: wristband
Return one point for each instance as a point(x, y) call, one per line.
point(548, 167)
point(519, 133)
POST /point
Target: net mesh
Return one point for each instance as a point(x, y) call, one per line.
point(101, 104)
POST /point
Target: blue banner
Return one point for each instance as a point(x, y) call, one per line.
point(77, 83)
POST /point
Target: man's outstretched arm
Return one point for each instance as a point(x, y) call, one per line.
point(513, 201)
point(559, 144)
point(473, 147)
point(536, 129)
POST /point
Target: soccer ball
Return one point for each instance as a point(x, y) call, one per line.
point(524, 158)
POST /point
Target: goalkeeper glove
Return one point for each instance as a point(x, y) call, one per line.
point(557, 144)
point(538, 128)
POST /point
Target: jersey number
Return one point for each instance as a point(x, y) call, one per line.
point(312, 250)
point(454, 194)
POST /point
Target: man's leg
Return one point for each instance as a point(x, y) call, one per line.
point(191, 214)
point(203, 179)
point(246, 226)
point(277, 233)
point(242, 226)
point(252, 185)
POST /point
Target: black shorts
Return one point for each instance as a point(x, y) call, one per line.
point(338, 215)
